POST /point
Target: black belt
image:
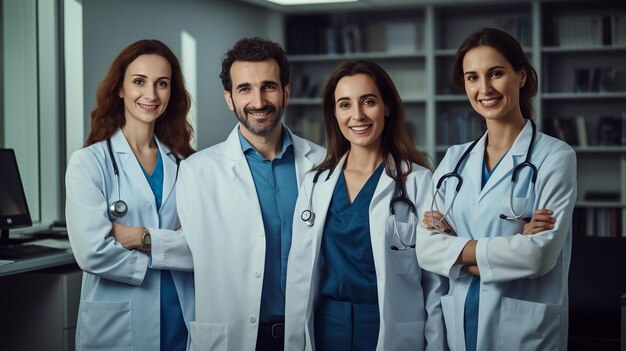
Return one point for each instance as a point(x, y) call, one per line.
point(274, 330)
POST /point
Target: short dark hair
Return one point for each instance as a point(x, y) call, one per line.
point(512, 52)
point(254, 50)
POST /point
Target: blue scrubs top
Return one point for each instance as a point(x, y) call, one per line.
point(173, 328)
point(348, 271)
point(277, 190)
point(473, 293)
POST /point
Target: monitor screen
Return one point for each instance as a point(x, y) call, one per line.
point(13, 206)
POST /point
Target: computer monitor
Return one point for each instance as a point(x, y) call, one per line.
point(13, 206)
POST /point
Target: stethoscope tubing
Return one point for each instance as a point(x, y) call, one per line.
point(456, 174)
point(308, 215)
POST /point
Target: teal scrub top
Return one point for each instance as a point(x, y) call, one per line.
point(348, 272)
point(173, 328)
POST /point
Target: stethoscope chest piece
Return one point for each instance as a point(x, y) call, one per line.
point(118, 208)
point(308, 217)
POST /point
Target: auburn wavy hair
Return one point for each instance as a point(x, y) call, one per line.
point(395, 138)
point(172, 127)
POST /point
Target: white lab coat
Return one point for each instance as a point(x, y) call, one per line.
point(523, 283)
point(221, 218)
point(409, 297)
point(120, 297)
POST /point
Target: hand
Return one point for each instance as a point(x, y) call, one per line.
point(433, 217)
point(129, 237)
point(541, 220)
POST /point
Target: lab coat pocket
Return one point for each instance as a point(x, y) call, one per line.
point(530, 325)
point(409, 336)
point(404, 261)
point(206, 336)
point(447, 307)
point(104, 326)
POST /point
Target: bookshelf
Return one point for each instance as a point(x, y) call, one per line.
point(577, 47)
point(579, 51)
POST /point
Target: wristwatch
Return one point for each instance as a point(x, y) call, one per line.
point(146, 240)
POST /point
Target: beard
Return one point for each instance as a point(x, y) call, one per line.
point(260, 128)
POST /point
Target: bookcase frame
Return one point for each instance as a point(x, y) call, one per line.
point(597, 259)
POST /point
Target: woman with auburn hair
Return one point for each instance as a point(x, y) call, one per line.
point(353, 280)
point(137, 290)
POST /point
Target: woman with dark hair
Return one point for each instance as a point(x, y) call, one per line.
point(137, 290)
point(353, 280)
point(488, 227)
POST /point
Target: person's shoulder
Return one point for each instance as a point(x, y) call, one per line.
point(95, 151)
point(211, 153)
point(299, 141)
point(550, 144)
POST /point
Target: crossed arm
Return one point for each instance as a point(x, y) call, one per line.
point(541, 220)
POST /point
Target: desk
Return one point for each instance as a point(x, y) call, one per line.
point(39, 304)
point(36, 263)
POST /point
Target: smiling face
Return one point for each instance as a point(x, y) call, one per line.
point(146, 89)
point(492, 85)
point(257, 97)
point(360, 111)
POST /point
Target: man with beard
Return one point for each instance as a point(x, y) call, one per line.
point(236, 204)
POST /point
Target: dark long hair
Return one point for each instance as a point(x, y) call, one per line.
point(395, 138)
point(171, 128)
point(512, 52)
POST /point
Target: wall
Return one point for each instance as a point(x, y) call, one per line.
point(108, 26)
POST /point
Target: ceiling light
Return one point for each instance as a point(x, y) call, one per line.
point(307, 2)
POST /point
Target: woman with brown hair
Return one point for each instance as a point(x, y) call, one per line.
point(137, 290)
point(353, 280)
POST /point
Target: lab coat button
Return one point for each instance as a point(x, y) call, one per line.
point(257, 274)
point(252, 319)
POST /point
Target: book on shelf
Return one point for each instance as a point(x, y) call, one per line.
point(459, 127)
point(573, 130)
point(578, 30)
point(409, 82)
point(375, 37)
point(618, 29)
point(598, 79)
point(518, 26)
point(598, 222)
point(590, 30)
point(609, 130)
point(404, 36)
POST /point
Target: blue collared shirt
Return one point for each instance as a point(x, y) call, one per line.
point(277, 189)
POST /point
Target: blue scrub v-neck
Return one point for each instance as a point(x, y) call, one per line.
point(348, 272)
point(173, 328)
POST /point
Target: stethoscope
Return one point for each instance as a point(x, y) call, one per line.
point(308, 216)
point(119, 208)
point(456, 174)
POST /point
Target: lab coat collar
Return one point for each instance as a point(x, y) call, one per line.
point(301, 149)
point(385, 181)
point(128, 163)
point(515, 156)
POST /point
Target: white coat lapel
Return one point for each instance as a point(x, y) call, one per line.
point(169, 170)
point(301, 155)
point(238, 165)
point(129, 166)
point(379, 210)
point(321, 199)
point(512, 158)
point(471, 171)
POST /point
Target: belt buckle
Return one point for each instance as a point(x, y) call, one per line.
point(275, 334)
